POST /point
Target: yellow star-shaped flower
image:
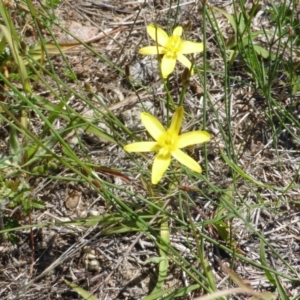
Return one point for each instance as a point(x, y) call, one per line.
point(168, 143)
point(172, 47)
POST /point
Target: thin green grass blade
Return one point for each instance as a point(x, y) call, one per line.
point(17, 58)
point(82, 292)
point(14, 146)
point(164, 260)
point(281, 291)
point(263, 261)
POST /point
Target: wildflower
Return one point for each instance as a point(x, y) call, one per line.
point(172, 47)
point(168, 144)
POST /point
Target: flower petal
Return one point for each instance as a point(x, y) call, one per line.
point(186, 160)
point(167, 65)
point(152, 125)
point(142, 147)
point(177, 31)
point(184, 60)
point(152, 50)
point(159, 167)
point(176, 121)
point(191, 47)
point(157, 34)
point(193, 138)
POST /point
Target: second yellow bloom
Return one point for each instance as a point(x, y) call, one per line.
point(172, 47)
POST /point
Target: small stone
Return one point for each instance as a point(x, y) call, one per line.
point(93, 213)
point(72, 199)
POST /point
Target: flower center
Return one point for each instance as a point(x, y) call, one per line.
point(174, 46)
point(168, 141)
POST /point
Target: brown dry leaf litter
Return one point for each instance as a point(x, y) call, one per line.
point(112, 267)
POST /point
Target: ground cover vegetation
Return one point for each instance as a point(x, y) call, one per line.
point(149, 149)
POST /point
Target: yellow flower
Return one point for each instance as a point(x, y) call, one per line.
point(168, 143)
point(173, 48)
